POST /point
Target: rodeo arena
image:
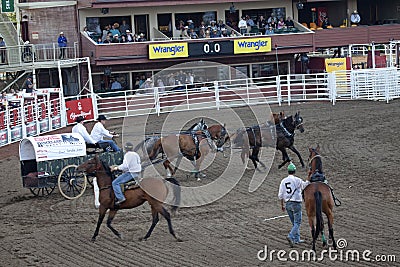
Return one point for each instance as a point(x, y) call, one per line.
point(199, 133)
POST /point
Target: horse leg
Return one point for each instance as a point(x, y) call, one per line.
point(178, 162)
point(285, 157)
point(167, 217)
point(168, 168)
point(330, 226)
point(298, 155)
point(154, 214)
point(102, 214)
point(111, 216)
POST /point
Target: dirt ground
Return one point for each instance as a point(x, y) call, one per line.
point(360, 148)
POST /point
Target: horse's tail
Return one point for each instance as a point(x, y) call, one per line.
point(318, 213)
point(176, 192)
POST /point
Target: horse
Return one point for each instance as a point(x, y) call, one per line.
point(285, 137)
point(147, 145)
point(193, 146)
point(254, 137)
point(276, 118)
point(318, 198)
point(151, 190)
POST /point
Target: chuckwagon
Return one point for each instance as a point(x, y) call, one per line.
point(51, 160)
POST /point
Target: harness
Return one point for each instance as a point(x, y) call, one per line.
point(196, 143)
point(285, 131)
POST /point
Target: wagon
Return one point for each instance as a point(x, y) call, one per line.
point(51, 160)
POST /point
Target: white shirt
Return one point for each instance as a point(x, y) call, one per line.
point(131, 162)
point(291, 188)
point(98, 132)
point(80, 129)
point(242, 24)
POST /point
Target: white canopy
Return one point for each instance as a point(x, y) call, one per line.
point(50, 147)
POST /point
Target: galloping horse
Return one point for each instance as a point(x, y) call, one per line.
point(318, 198)
point(259, 136)
point(152, 190)
point(193, 146)
point(285, 137)
point(147, 145)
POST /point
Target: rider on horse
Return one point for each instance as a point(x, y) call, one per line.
point(131, 166)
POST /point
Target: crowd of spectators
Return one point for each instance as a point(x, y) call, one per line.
point(116, 33)
point(245, 26)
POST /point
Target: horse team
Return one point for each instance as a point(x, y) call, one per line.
point(194, 144)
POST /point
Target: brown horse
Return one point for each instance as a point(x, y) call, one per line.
point(152, 190)
point(194, 147)
point(276, 118)
point(318, 198)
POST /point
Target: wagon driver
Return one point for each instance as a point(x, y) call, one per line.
point(131, 168)
point(81, 129)
point(99, 132)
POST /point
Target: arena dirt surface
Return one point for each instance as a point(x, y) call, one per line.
point(360, 147)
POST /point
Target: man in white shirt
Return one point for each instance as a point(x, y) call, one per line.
point(290, 193)
point(99, 132)
point(131, 168)
point(242, 25)
point(81, 129)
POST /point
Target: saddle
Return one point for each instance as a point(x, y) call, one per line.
point(132, 184)
point(320, 177)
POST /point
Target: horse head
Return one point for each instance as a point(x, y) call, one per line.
point(314, 160)
point(201, 125)
point(298, 122)
point(97, 167)
point(219, 134)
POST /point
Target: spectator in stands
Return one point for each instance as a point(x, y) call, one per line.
point(105, 32)
point(220, 25)
point(87, 32)
point(99, 132)
point(215, 33)
point(281, 24)
point(242, 25)
point(272, 24)
point(29, 85)
point(142, 38)
point(184, 33)
point(81, 129)
point(129, 36)
point(115, 39)
point(190, 24)
point(289, 22)
point(202, 32)
point(355, 18)
point(261, 23)
point(249, 21)
point(213, 25)
point(272, 18)
point(3, 50)
point(326, 24)
point(193, 34)
point(62, 44)
point(160, 86)
point(114, 29)
point(124, 27)
point(99, 41)
point(107, 40)
point(116, 85)
point(269, 31)
point(224, 32)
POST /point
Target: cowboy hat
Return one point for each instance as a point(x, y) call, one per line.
point(102, 118)
point(79, 119)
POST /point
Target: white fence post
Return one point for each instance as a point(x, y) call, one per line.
point(216, 93)
point(278, 90)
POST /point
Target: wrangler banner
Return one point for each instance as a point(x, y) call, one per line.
point(174, 50)
point(252, 45)
point(335, 64)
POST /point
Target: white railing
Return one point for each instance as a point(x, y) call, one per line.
point(43, 113)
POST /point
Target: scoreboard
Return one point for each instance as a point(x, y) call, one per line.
point(210, 48)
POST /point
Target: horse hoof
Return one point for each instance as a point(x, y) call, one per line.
point(93, 239)
point(142, 239)
point(179, 240)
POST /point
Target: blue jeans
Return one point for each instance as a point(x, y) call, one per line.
point(294, 211)
point(123, 178)
point(111, 143)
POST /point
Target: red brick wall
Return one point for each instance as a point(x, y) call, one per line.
point(49, 22)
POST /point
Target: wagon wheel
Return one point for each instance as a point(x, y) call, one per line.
point(41, 192)
point(72, 184)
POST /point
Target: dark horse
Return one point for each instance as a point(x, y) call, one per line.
point(193, 146)
point(152, 190)
point(318, 198)
point(254, 137)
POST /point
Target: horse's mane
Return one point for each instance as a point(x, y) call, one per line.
point(106, 167)
point(318, 165)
